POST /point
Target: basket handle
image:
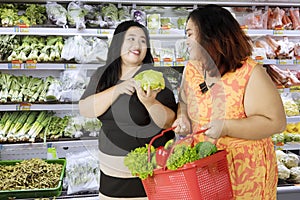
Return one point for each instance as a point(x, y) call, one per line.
point(155, 137)
point(169, 129)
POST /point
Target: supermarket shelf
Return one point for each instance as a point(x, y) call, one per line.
point(289, 146)
point(39, 150)
point(179, 2)
point(293, 119)
point(288, 192)
point(57, 31)
point(66, 66)
point(107, 33)
point(263, 32)
point(48, 66)
point(279, 62)
point(28, 106)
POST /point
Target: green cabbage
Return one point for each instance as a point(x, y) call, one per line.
point(150, 77)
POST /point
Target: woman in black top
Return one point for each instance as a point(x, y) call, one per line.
point(130, 115)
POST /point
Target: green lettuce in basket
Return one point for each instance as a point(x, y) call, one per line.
point(183, 154)
point(151, 78)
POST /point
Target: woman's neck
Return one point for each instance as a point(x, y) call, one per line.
point(129, 71)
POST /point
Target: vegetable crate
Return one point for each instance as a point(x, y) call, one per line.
point(204, 179)
point(34, 193)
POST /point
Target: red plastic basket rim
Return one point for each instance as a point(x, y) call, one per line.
point(198, 163)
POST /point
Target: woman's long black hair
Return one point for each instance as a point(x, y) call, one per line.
point(112, 73)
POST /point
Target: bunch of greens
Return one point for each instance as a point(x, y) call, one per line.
point(151, 78)
point(137, 162)
point(183, 154)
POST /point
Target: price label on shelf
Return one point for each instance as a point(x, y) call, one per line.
point(261, 62)
point(23, 107)
point(297, 62)
point(15, 64)
point(278, 32)
point(70, 66)
point(103, 31)
point(282, 62)
point(24, 28)
point(30, 64)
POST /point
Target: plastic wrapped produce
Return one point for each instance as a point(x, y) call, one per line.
point(82, 172)
point(139, 16)
point(291, 160)
point(76, 14)
point(56, 13)
point(283, 171)
point(295, 174)
point(280, 155)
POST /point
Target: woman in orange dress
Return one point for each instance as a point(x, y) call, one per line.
point(226, 91)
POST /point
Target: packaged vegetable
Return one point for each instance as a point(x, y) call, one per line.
point(82, 172)
point(56, 13)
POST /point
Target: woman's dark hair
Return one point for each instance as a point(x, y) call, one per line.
point(113, 72)
point(221, 36)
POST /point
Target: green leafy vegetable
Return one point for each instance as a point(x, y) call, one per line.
point(137, 162)
point(205, 149)
point(151, 78)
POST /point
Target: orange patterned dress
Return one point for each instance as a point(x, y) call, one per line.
point(252, 163)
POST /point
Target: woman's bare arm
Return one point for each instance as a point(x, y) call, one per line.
point(263, 107)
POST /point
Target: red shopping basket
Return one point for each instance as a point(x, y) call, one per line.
point(204, 179)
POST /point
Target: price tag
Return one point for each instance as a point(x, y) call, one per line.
point(51, 153)
point(24, 28)
point(103, 31)
point(71, 66)
point(282, 62)
point(278, 32)
point(30, 64)
point(23, 107)
point(17, 29)
point(15, 64)
point(260, 62)
point(297, 62)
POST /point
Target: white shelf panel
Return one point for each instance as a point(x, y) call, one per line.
point(290, 146)
point(48, 66)
point(45, 31)
point(263, 32)
point(24, 107)
point(293, 119)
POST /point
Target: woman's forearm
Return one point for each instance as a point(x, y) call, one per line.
point(161, 115)
point(253, 127)
point(89, 107)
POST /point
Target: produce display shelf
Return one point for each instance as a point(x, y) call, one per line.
point(182, 2)
point(288, 192)
point(264, 32)
point(48, 66)
point(46, 31)
point(38, 107)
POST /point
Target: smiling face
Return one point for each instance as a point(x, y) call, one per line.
point(134, 48)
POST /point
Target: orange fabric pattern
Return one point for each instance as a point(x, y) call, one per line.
point(252, 163)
